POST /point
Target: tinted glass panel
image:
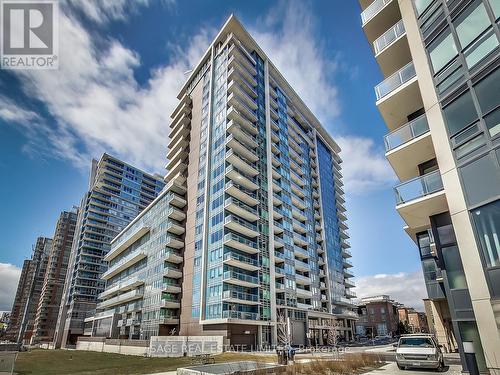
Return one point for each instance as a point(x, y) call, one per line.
point(481, 48)
point(472, 22)
point(421, 5)
point(454, 270)
point(493, 122)
point(442, 50)
point(495, 5)
point(488, 91)
point(469, 332)
point(460, 113)
point(481, 180)
point(470, 145)
point(487, 221)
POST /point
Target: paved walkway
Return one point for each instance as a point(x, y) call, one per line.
point(392, 369)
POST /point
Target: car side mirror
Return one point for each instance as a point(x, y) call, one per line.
point(440, 346)
point(395, 345)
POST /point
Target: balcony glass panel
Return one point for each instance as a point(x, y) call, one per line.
point(396, 80)
point(372, 10)
point(418, 187)
point(389, 36)
point(406, 133)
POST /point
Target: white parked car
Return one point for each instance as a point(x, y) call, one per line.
point(419, 350)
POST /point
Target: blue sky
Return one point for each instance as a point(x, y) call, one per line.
point(121, 64)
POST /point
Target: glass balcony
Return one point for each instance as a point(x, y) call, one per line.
point(406, 133)
point(241, 178)
point(227, 314)
point(241, 209)
point(372, 10)
point(241, 163)
point(395, 81)
point(240, 297)
point(173, 256)
point(241, 193)
point(240, 243)
point(241, 261)
point(242, 135)
point(300, 252)
point(388, 37)
point(241, 226)
point(242, 279)
point(418, 187)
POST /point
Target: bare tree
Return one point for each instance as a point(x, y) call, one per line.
point(333, 329)
point(283, 329)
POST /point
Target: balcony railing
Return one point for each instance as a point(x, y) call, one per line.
point(241, 258)
point(418, 187)
point(240, 276)
point(388, 37)
point(372, 10)
point(406, 133)
point(391, 83)
point(233, 294)
point(240, 315)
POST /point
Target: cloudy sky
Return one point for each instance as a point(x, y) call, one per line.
point(120, 66)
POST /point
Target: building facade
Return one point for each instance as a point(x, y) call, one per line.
point(16, 315)
point(117, 193)
point(378, 316)
point(54, 278)
point(252, 223)
point(28, 293)
point(440, 101)
point(414, 321)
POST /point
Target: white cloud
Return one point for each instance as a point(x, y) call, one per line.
point(102, 11)
point(294, 48)
point(405, 287)
point(11, 112)
point(99, 106)
point(365, 167)
point(10, 277)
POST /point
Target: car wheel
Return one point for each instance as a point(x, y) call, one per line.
point(401, 367)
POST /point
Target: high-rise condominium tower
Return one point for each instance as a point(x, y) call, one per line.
point(116, 195)
point(55, 275)
point(251, 226)
point(440, 100)
point(28, 292)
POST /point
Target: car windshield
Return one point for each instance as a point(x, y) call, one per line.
point(422, 342)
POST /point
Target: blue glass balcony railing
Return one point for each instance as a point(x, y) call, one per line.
point(418, 187)
point(406, 133)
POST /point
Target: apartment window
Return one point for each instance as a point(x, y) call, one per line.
point(469, 26)
point(481, 179)
point(488, 92)
point(460, 113)
point(454, 269)
point(495, 5)
point(487, 221)
point(493, 122)
point(421, 5)
point(471, 23)
point(442, 50)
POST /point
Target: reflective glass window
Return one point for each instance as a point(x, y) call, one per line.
point(471, 23)
point(488, 91)
point(442, 50)
point(487, 221)
point(460, 113)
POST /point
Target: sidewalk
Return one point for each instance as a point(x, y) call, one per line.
point(392, 369)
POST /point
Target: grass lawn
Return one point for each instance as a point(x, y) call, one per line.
point(63, 362)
